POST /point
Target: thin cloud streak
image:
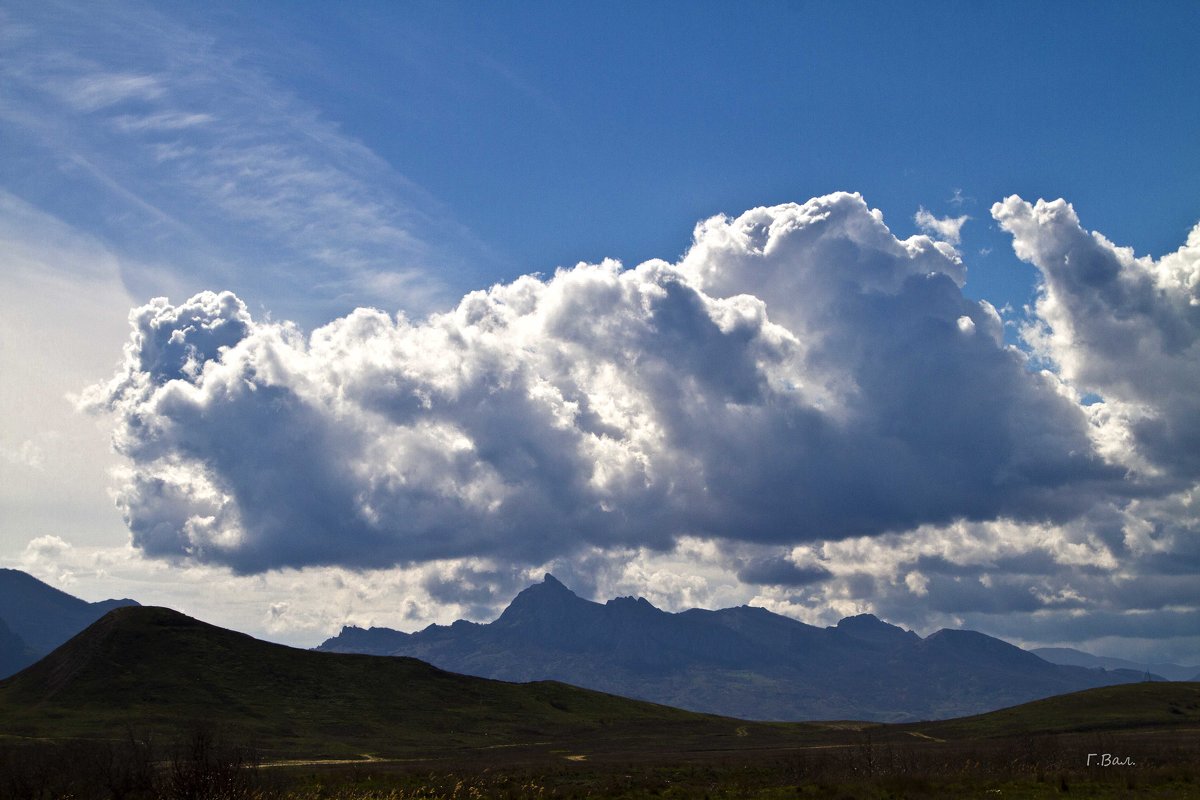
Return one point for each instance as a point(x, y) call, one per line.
point(265, 179)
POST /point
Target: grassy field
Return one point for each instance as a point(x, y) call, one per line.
point(149, 703)
point(1035, 766)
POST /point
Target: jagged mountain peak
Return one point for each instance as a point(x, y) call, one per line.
point(548, 598)
point(629, 601)
point(553, 582)
point(550, 585)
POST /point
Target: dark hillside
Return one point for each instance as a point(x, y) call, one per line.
point(159, 669)
point(1132, 706)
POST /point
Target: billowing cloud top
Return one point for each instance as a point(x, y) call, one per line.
point(801, 374)
point(1124, 328)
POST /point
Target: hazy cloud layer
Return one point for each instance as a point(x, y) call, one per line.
point(1111, 557)
point(800, 375)
point(62, 321)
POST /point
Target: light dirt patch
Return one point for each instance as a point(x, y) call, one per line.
point(365, 758)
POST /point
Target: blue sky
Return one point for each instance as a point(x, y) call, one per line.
point(551, 134)
point(316, 158)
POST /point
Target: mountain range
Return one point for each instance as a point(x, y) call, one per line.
point(1078, 658)
point(35, 618)
point(742, 662)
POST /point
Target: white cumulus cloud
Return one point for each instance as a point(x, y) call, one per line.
point(799, 375)
point(948, 229)
point(1123, 327)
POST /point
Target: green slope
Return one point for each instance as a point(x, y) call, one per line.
point(1131, 706)
point(157, 669)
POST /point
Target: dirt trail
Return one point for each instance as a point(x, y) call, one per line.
point(365, 758)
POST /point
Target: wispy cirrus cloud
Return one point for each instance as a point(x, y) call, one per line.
point(100, 90)
point(238, 181)
point(166, 121)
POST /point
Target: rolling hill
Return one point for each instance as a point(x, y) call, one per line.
point(156, 669)
point(1136, 706)
point(740, 662)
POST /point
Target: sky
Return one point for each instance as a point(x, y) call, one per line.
point(314, 315)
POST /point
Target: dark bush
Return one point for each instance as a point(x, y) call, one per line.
point(200, 766)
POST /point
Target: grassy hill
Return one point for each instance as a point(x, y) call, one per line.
point(1132, 706)
point(157, 669)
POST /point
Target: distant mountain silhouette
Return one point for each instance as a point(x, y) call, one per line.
point(743, 662)
point(1078, 658)
point(15, 655)
point(41, 617)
